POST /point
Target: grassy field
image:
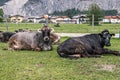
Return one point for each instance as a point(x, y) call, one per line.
point(66, 28)
point(47, 65)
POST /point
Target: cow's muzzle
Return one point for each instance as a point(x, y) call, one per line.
point(46, 38)
point(108, 44)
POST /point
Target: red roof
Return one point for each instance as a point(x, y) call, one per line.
point(107, 17)
point(63, 17)
point(112, 17)
point(118, 17)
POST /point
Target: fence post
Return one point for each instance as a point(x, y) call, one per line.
point(92, 22)
point(119, 34)
point(6, 22)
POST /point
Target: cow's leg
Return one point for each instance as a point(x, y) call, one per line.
point(35, 47)
point(95, 56)
point(67, 55)
point(107, 51)
point(74, 56)
point(10, 48)
point(12, 45)
point(100, 51)
point(17, 46)
point(84, 55)
point(89, 55)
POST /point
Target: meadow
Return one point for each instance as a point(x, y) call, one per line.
point(65, 28)
point(47, 65)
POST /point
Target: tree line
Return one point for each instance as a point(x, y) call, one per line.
point(73, 12)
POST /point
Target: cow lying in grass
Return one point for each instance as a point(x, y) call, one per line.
point(32, 40)
point(91, 45)
point(4, 36)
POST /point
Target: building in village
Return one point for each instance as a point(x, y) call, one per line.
point(111, 19)
point(65, 19)
point(16, 18)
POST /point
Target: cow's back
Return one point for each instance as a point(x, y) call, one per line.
point(25, 40)
point(25, 36)
point(86, 41)
point(92, 40)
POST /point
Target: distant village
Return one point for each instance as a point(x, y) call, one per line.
point(79, 19)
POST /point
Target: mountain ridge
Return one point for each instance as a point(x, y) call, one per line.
point(41, 7)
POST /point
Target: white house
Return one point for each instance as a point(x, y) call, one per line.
point(65, 19)
point(106, 19)
point(61, 19)
point(36, 19)
point(111, 19)
point(80, 19)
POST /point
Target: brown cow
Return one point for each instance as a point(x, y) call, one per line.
point(31, 41)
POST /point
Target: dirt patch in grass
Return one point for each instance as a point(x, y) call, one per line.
point(106, 67)
point(39, 65)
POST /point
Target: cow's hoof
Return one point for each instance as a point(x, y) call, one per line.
point(11, 49)
point(75, 56)
point(4, 49)
point(38, 49)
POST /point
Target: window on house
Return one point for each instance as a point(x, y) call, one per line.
point(18, 19)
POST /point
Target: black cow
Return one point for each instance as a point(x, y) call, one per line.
point(91, 45)
point(31, 41)
point(4, 36)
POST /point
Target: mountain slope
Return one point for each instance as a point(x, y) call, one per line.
point(40, 7)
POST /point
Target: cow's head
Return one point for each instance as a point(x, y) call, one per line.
point(105, 37)
point(46, 35)
point(46, 38)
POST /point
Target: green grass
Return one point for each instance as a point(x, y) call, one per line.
point(47, 65)
point(73, 28)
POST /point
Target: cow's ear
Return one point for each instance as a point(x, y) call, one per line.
point(42, 30)
point(52, 30)
point(100, 34)
point(112, 34)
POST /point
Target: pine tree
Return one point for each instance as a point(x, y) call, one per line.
point(95, 10)
point(1, 15)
